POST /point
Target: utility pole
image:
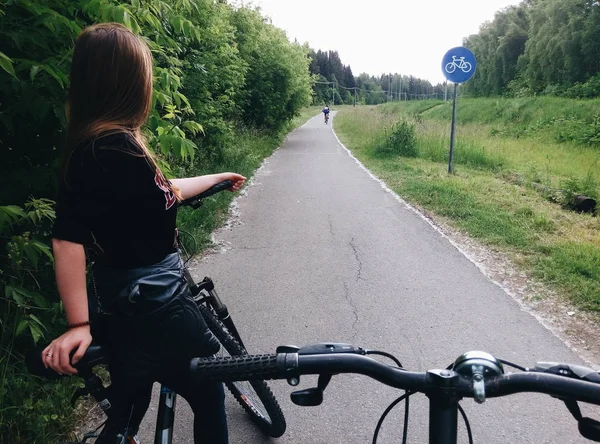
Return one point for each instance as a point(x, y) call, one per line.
point(332, 93)
point(400, 92)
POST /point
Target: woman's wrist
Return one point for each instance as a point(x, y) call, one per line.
point(79, 324)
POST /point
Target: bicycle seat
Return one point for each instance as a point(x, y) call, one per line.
point(94, 355)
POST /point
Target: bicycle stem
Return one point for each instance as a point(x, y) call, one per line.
point(443, 407)
point(443, 419)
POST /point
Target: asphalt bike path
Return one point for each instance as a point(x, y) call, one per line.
point(317, 251)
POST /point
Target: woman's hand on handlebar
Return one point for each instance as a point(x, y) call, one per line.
point(57, 354)
point(193, 186)
point(237, 180)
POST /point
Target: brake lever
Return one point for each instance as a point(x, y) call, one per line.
point(568, 370)
point(331, 348)
point(588, 428)
point(314, 396)
point(195, 203)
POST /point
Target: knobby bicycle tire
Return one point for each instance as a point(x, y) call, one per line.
point(268, 417)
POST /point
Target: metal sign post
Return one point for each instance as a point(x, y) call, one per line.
point(458, 66)
point(452, 132)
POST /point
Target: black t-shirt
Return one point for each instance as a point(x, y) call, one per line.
point(116, 204)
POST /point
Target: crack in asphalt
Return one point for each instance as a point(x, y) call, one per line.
point(354, 310)
point(355, 250)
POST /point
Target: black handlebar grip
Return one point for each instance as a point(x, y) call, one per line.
point(93, 356)
point(240, 368)
point(225, 185)
point(196, 201)
point(35, 365)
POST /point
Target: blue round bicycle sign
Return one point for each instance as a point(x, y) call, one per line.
point(458, 65)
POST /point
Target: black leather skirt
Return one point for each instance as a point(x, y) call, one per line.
point(147, 317)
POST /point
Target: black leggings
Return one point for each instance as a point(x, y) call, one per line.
point(158, 346)
point(130, 402)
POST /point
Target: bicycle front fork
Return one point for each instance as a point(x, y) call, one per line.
point(166, 416)
point(208, 286)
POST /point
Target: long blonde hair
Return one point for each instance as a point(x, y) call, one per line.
point(111, 87)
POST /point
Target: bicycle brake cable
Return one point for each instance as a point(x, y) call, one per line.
point(182, 247)
point(406, 396)
point(394, 403)
point(388, 410)
point(387, 355)
point(510, 364)
point(467, 425)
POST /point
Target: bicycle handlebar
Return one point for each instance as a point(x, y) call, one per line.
point(291, 366)
point(196, 201)
point(94, 355)
point(474, 375)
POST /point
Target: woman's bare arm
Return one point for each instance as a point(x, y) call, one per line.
point(69, 261)
point(192, 186)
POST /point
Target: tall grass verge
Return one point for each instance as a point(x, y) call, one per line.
point(560, 247)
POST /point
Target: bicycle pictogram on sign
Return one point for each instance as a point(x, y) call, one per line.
point(460, 63)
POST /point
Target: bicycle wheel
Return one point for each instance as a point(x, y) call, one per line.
point(450, 68)
point(255, 397)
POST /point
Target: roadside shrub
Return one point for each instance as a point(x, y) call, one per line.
point(573, 187)
point(572, 129)
point(401, 141)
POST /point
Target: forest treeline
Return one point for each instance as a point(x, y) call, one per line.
point(539, 47)
point(549, 47)
point(335, 83)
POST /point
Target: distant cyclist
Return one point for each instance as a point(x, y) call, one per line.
point(326, 113)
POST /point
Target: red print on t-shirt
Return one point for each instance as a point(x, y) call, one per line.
point(162, 183)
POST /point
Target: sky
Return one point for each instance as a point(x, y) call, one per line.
point(409, 37)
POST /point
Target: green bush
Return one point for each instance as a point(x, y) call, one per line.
point(581, 131)
point(587, 90)
point(278, 83)
point(218, 68)
point(573, 187)
point(401, 141)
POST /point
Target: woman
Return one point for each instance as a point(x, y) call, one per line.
point(116, 206)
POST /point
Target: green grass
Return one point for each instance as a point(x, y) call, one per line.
point(494, 194)
point(526, 111)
